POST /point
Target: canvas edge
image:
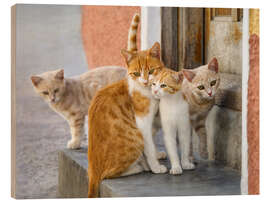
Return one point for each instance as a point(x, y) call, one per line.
point(13, 101)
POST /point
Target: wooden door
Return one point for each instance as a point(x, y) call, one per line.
point(190, 37)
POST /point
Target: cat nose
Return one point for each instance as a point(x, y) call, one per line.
point(155, 91)
point(210, 93)
point(53, 99)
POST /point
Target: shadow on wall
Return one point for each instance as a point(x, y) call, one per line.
point(226, 135)
point(105, 33)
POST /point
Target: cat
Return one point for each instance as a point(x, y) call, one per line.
point(199, 88)
point(174, 114)
point(71, 97)
point(120, 122)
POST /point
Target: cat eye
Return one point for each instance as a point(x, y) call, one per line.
point(163, 85)
point(137, 74)
point(153, 83)
point(56, 90)
point(151, 71)
point(201, 87)
point(213, 83)
point(45, 93)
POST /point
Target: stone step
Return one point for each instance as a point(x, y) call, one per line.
point(209, 178)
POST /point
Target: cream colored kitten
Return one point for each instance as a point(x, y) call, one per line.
point(70, 97)
point(199, 88)
point(174, 113)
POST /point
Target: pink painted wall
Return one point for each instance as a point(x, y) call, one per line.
point(105, 32)
point(253, 125)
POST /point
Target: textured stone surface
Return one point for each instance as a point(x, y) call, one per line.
point(224, 127)
point(253, 116)
point(208, 178)
point(72, 175)
point(230, 91)
point(225, 43)
point(105, 33)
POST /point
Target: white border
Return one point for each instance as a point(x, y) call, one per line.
point(264, 98)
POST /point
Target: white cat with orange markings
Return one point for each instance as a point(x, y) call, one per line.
point(174, 113)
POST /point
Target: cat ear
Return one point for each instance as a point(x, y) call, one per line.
point(178, 77)
point(60, 74)
point(213, 65)
point(155, 50)
point(36, 80)
point(189, 75)
point(127, 55)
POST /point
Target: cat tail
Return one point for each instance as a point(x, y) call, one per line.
point(132, 34)
point(93, 186)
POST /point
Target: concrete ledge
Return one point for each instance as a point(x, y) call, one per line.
point(72, 173)
point(209, 178)
point(230, 91)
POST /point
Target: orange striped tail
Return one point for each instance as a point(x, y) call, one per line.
point(132, 34)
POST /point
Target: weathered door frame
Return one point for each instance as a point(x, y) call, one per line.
point(182, 37)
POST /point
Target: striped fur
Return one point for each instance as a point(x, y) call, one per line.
point(132, 34)
point(173, 81)
point(118, 117)
point(201, 100)
point(70, 97)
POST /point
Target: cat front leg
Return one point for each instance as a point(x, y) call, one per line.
point(151, 155)
point(171, 146)
point(200, 129)
point(184, 136)
point(150, 152)
point(203, 142)
point(77, 132)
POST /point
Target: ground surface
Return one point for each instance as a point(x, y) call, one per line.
point(209, 178)
point(48, 37)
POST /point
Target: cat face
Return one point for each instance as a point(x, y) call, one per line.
point(204, 81)
point(50, 85)
point(166, 82)
point(143, 66)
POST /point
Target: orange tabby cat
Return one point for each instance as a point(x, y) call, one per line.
point(116, 138)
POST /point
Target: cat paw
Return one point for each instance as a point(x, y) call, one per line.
point(161, 155)
point(188, 166)
point(73, 144)
point(203, 152)
point(204, 155)
point(176, 170)
point(159, 169)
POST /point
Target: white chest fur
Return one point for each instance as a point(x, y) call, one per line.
point(174, 113)
point(173, 109)
point(144, 124)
